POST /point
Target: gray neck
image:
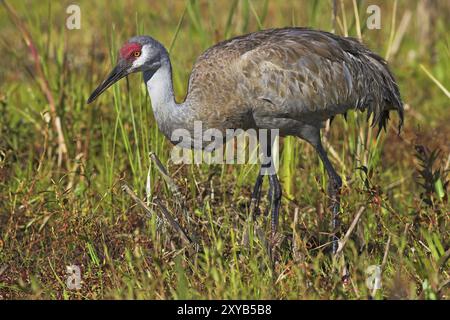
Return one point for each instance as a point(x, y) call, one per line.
point(168, 114)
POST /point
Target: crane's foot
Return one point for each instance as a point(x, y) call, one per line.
point(274, 199)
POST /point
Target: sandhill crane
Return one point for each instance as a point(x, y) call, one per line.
point(291, 79)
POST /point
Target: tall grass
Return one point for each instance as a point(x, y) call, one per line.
point(57, 211)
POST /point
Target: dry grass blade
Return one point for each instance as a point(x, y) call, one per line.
point(333, 16)
point(333, 152)
point(436, 81)
point(3, 269)
point(349, 231)
point(173, 223)
point(358, 25)
point(168, 217)
point(137, 200)
point(42, 81)
point(296, 238)
point(168, 179)
point(179, 198)
point(344, 19)
point(392, 33)
point(386, 252)
point(443, 260)
point(404, 23)
point(180, 22)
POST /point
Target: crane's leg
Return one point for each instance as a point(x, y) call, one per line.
point(312, 135)
point(334, 188)
point(275, 201)
point(256, 194)
point(274, 194)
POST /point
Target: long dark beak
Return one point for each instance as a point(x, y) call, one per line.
point(116, 74)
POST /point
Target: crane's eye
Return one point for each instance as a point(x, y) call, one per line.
point(136, 53)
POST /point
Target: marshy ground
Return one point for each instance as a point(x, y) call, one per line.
point(62, 201)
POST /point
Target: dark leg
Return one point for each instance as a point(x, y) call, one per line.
point(334, 188)
point(274, 186)
point(256, 195)
point(275, 201)
point(274, 194)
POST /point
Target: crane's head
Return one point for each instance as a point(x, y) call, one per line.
point(140, 53)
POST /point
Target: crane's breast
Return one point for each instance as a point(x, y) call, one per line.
point(216, 93)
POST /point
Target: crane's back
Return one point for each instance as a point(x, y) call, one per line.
point(290, 73)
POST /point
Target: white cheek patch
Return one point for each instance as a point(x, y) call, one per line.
point(145, 54)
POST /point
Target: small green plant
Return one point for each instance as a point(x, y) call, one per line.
point(432, 177)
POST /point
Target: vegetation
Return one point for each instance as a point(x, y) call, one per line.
point(61, 183)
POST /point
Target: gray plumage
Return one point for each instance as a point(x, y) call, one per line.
point(286, 78)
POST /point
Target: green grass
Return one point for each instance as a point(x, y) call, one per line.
point(74, 212)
